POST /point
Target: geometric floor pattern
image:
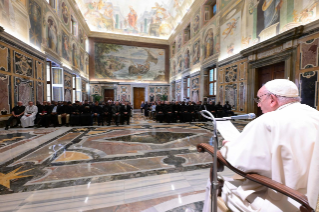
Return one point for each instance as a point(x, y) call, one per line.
point(145, 166)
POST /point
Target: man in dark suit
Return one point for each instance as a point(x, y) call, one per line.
point(97, 112)
point(17, 113)
point(168, 109)
point(86, 119)
point(43, 116)
point(107, 114)
point(211, 107)
point(160, 112)
point(126, 113)
point(76, 114)
point(116, 112)
point(64, 111)
point(227, 109)
point(53, 115)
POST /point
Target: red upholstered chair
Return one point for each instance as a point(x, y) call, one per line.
point(265, 181)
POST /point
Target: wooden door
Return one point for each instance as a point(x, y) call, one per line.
point(108, 94)
point(267, 73)
point(139, 96)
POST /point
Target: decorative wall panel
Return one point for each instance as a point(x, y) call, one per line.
point(40, 91)
point(195, 87)
point(5, 106)
point(5, 60)
point(308, 82)
point(39, 70)
point(67, 86)
point(231, 95)
point(241, 96)
point(23, 65)
point(309, 54)
point(156, 93)
point(24, 90)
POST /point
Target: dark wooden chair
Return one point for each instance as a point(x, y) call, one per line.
point(265, 181)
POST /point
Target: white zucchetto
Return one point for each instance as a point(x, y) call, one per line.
point(282, 87)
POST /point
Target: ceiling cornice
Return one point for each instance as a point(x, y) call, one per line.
point(94, 34)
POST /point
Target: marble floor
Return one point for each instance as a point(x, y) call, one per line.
point(145, 166)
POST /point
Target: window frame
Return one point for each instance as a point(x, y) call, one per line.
point(213, 81)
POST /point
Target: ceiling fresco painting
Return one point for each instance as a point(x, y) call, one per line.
point(137, 17)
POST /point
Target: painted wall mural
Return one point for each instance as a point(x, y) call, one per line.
point(153, 19)
point(52, 34)
point(209, 43)
point(196, 52)
point(121, 62)
point(24, 90)
point(66, 47)
point(67, 87)
point(195, 26)
point(35, 14)
point(195, 87)
point(65, 13)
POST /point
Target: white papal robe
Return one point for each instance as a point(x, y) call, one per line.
point(29, 121)
point(282, 145)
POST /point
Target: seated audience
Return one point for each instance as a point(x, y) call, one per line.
point(17, 113)
point(30, 113)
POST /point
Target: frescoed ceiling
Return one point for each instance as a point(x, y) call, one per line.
point(134, 17)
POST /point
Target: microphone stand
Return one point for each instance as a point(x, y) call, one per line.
point(214, 183)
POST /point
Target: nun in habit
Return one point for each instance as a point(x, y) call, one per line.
point(282, 144)
point(29, 116)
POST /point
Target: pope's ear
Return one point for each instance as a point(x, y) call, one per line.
point(273, 100)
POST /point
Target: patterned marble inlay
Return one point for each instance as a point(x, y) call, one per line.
point(153, 137)
point(11, 138)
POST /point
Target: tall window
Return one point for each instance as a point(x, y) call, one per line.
point(213, 82)
point(78, 89)
point(73, 88)
point(210, 9)
point(188, 87)
point(57, 85)
point(49, 75)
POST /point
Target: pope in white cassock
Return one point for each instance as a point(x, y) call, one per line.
point(29, 116)
point(282, 144)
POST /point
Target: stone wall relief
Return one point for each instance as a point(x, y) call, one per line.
point(231, 74)
point(308, 83)
point(40, 91)
point(231, 95)
point(39, 70)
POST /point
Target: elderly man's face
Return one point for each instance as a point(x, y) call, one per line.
point(30, 103)
point(266, 101)
point(19, 104)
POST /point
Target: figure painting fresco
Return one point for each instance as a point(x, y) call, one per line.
point(180, 64)
point(35, 16)
point(65, 13)
point(65, 46)
point(151, 19)
point(52, 35)
point(186, 59)
point(196, 23)
point(114, 61)
point(196, 52)
point(209, 43)
point(75, 56)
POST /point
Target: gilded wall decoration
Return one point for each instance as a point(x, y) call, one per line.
point(24, 90)
point(231, 74)
point(23, 65)
point(4, 59)
point(309, 54)
point(308, 81)
point(5, 94)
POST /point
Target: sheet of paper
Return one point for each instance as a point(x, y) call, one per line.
point(227, 130)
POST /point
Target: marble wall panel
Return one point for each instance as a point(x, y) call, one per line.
point(308, 83)
point(39, 70)
point(5, 59)
point(40, 91)
point(156, 93)
point(309, 54)
point(221, 96)
point(5, 93)
point(241, 96)
point(231, 74)
point(23, 65)
point(124, 92)
point(67, 86)
point(231, 95)
point(242, 69)
point(24, 90)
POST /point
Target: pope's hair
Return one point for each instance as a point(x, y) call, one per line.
point(285, 100)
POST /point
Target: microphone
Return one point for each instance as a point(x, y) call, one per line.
point(245, 116)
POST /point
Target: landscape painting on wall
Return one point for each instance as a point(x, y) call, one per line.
point(121, 62)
